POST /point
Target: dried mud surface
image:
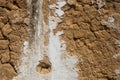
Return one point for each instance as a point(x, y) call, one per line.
point(91, 36)
point(88, 33)
point(13, 24)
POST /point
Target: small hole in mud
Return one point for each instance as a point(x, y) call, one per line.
point(44, 66)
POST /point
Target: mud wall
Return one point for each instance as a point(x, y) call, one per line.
point(13, 31)
point(91, 32)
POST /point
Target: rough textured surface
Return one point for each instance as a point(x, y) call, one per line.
point(91, 29)
point(6, 72)
point(12, 34)
point(44, 66)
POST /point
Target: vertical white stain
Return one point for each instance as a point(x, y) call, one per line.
point(33, 52)
point(62, 64)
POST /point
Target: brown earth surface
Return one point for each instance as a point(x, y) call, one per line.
point(92, 37)
point(13, 24)
point(88, 33)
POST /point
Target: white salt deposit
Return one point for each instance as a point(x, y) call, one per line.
point(62, 64)
point(57, 7)
point(32, 54)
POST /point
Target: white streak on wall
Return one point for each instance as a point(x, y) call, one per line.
point(33, 53)
point(63, 65)
point(29, 61)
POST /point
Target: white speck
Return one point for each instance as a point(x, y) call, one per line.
point(116, 56)
point(53, 6)
point(117, 71)
point(111, 19)
point(100, 3)
point(61, 4)
point(59, 12)
point(58, 7)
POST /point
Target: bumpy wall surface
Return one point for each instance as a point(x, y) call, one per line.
point(90, 30)
point(13, 31)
